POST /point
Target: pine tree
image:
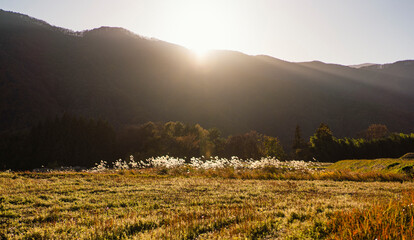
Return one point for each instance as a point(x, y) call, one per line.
point(300, 147)
point(299, 142)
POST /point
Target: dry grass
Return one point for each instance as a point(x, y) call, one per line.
point(273, 173)
point(393, 220)
point(149, 205)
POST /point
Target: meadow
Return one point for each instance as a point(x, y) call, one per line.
point(189, 202)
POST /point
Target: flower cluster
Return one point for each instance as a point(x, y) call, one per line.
point(102, 166)
point(237, 163)
point(165, 161)
point(206, 163)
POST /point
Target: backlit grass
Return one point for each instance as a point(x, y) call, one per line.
point(386, 165)
point(154, 204)
point(393, 220)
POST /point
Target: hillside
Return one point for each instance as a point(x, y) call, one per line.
point(113, 74)
point(384, 165)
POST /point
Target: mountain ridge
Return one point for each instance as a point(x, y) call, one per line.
point(117, 75)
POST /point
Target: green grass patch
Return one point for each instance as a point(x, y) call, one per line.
point(385, 165)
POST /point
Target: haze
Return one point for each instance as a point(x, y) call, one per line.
point(344, 32)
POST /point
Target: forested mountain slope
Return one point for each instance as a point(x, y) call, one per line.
point(113, 74)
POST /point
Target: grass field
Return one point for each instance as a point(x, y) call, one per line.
point(154, 205)
point(385, 165)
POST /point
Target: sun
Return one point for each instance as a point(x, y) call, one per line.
point(201, 52)
point(201, 26)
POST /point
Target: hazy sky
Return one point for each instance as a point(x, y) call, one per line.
point(335, 31)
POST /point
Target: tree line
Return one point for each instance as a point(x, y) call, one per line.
point(76, 141)
point(374, 142)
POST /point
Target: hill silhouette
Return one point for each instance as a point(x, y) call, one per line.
point(113, 74)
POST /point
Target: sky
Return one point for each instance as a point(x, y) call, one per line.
point(333, 31)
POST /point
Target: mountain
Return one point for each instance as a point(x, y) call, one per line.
point(113, 74)
point(403, 69)
point(361, 65)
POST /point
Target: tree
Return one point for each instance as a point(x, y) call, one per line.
point(323, 133)
point(245, 146)
point(376, 131)
point(273, 148)
point(300, 146)
point(214, 137)
point(299, 142)
point(323, 144)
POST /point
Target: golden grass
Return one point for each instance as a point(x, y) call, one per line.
point(147, 205)
point(272, 173)
point(393, 220)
